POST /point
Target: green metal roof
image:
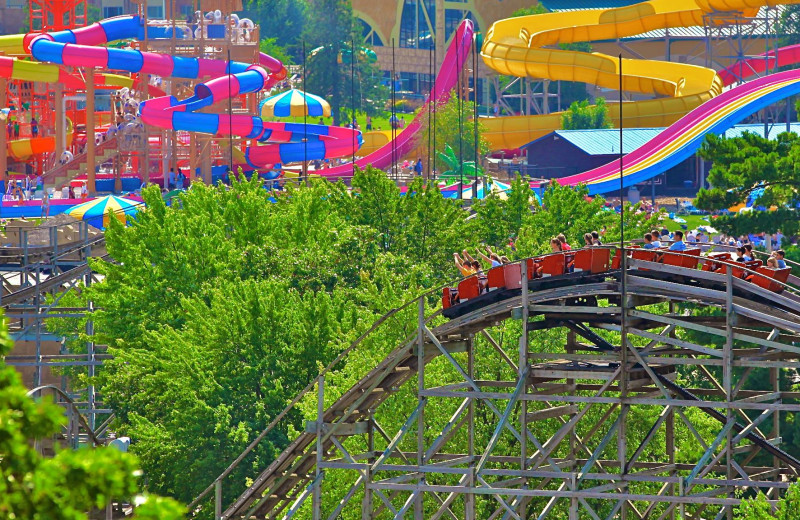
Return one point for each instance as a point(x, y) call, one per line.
point(606, 142)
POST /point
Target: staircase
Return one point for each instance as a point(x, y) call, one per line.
point(63, 173)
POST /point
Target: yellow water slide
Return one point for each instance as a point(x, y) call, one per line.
point(520, 47)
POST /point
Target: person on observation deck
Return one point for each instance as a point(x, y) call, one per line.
point(678, 244)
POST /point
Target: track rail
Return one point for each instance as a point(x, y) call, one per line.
point(283, 487)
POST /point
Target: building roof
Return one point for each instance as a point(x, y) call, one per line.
point(606, 141)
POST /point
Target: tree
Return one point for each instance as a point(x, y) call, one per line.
point(789, 26)
point(271, 47)
point(759, 508)
point(244, 300)
point(330, 34)
point(583, 116)
point(71, 483)
point(454, 127)
point(500, 219)
point(756, 169)
point(528, 11)
point(281, 20)
point(569, 210)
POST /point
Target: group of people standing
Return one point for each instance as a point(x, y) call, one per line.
point(175, 181)
point(13, 128)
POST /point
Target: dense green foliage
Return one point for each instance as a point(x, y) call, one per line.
point(527, 11)
point(583, 116)
point(270, 46)
point(751, 166)
point(281, 20)
point(220, 310)
point(759, 508)
point(71, 483)
point(331, 32)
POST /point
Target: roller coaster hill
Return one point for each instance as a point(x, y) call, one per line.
point(586, 417)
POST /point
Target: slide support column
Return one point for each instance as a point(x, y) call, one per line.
point(60, 122)
point(3, 141)
point(90, 151)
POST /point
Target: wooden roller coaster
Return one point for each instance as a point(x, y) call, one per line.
point(596, 426)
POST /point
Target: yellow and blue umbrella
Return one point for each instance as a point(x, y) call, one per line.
point(294, 103)
point(98, 211)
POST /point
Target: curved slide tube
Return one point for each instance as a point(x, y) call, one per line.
point(404, 142)
point(23, 149)
point(286, 142)
point(682, 139)
point(515, 47)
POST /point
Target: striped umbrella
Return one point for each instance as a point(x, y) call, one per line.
point(294, 103)
point(98, 211)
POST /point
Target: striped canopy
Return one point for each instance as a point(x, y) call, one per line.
point(98, 211)
point(294, 103)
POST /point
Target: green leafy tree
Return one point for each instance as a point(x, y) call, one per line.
point(452, 125)
point(281, 20)
point(569, 210)
point(751, 167)
point(69, 485)
point(270, 46)
point(789, 25)
point(583, 116)
point(499, 220)
point(527, 11)
point(244, 300)
point(760, 509)
point(330, 33)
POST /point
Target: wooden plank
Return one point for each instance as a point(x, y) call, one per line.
point(342, 429)
point(711, 330)
point(576, 309)
point(549, 413)
point(676, 342)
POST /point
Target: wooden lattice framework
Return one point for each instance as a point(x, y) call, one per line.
point(566, 435)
